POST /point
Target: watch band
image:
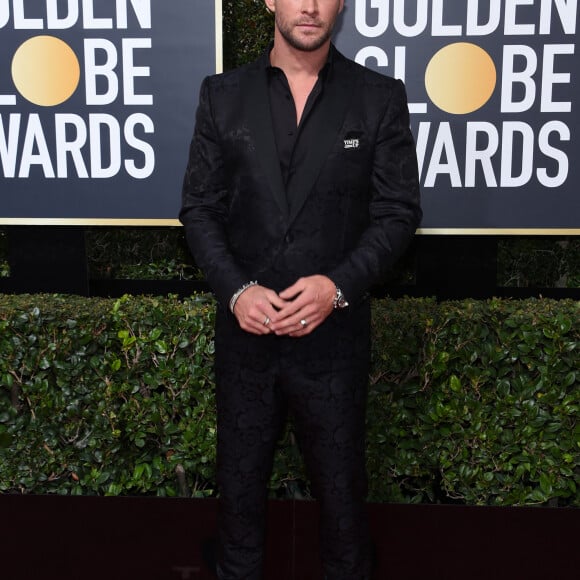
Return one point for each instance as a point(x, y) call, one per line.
point(339, 300)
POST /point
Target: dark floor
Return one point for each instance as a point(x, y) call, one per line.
point(86, 538)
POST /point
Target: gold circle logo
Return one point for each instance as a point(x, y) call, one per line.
point(460, 78)
point(45, 71)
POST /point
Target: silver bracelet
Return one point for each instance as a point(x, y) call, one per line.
point(239, 292)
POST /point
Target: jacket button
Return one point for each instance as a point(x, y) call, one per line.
point(289, 238)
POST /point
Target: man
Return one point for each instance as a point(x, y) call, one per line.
point(300, 193)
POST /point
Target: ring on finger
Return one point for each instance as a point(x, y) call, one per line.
point(266, 321)
point(303, 323)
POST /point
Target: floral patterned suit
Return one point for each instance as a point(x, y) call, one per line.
point(348, 212)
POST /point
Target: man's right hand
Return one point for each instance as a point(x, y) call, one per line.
point(256, 308)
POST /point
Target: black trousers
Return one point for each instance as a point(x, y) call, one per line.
point(326, 396)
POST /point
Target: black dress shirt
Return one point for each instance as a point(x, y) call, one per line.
point(287, 132)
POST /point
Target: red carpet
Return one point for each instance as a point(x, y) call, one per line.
point(86, 538)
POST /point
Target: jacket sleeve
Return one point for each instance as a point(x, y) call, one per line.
point(205, 206)
point(395, 211)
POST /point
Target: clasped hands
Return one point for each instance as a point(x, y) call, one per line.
point(296, 311)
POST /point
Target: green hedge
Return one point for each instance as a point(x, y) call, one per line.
point(472, 402)
point(476, 402)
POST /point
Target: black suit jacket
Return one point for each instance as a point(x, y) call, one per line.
point(354, 201)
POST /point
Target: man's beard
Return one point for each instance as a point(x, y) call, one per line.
point(308, 44)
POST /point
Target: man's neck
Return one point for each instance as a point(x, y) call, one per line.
point(296, 62)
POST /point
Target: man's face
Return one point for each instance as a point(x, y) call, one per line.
point(305, 24)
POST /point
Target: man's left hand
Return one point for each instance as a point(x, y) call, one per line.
point(310, 302)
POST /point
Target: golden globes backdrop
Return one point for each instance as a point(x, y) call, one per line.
point(97, 99)
point(494, 91)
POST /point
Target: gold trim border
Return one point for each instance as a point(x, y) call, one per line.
point(499, 231)
point(87, 222)
point(219, 35)
point(176, 223)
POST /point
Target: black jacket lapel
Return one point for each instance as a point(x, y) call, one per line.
point(325, 126)
point(257, 107)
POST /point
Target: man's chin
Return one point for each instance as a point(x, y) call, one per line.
point(309, 44)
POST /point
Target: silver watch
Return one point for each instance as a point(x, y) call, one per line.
point(339, 299)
